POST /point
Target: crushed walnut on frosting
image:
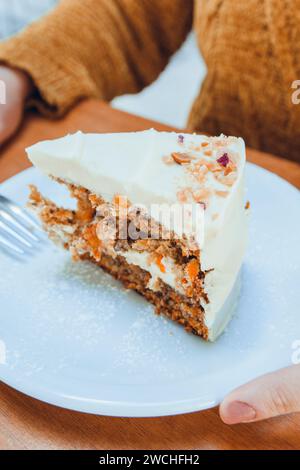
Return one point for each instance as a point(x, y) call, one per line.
point(209, 159)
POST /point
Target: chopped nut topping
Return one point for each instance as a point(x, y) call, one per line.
point(183, 195)
point(247, 206)
point(226, 180)
point(201, 195)
point(222, 193)
point(228, 170)
point(229, 181)
point(220, 141)
point(181, 158)
point(213, 167)
point(201, 176)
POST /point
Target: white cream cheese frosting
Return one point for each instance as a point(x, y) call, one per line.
point(138, 165)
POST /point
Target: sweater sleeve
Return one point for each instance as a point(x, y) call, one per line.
point(97, 48)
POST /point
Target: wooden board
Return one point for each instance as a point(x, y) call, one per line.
point(26, 423)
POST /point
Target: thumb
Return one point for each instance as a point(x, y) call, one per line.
point(272, 395)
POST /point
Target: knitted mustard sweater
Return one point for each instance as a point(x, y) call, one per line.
point(105, 48)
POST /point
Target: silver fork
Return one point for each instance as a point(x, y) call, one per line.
point(18, 230)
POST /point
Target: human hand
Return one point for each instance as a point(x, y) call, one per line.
point(271, 395)
point(17, 86)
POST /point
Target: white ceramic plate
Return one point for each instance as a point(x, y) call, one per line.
point(75, 338)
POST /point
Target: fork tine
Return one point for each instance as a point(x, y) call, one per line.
point(20, 212)
point(14, 235)
point(18, 227)
point(7, 245)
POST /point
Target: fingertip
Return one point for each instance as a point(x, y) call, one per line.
point(236, 412)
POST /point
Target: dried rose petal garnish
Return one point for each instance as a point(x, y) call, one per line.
point(181, 139)
point(181, 158)
point(224, 160)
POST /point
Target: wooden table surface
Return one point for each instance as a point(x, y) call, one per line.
point(26, 423)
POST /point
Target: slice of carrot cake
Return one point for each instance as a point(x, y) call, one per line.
point(162, 212)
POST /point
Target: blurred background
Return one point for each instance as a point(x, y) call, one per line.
point(168, 100)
